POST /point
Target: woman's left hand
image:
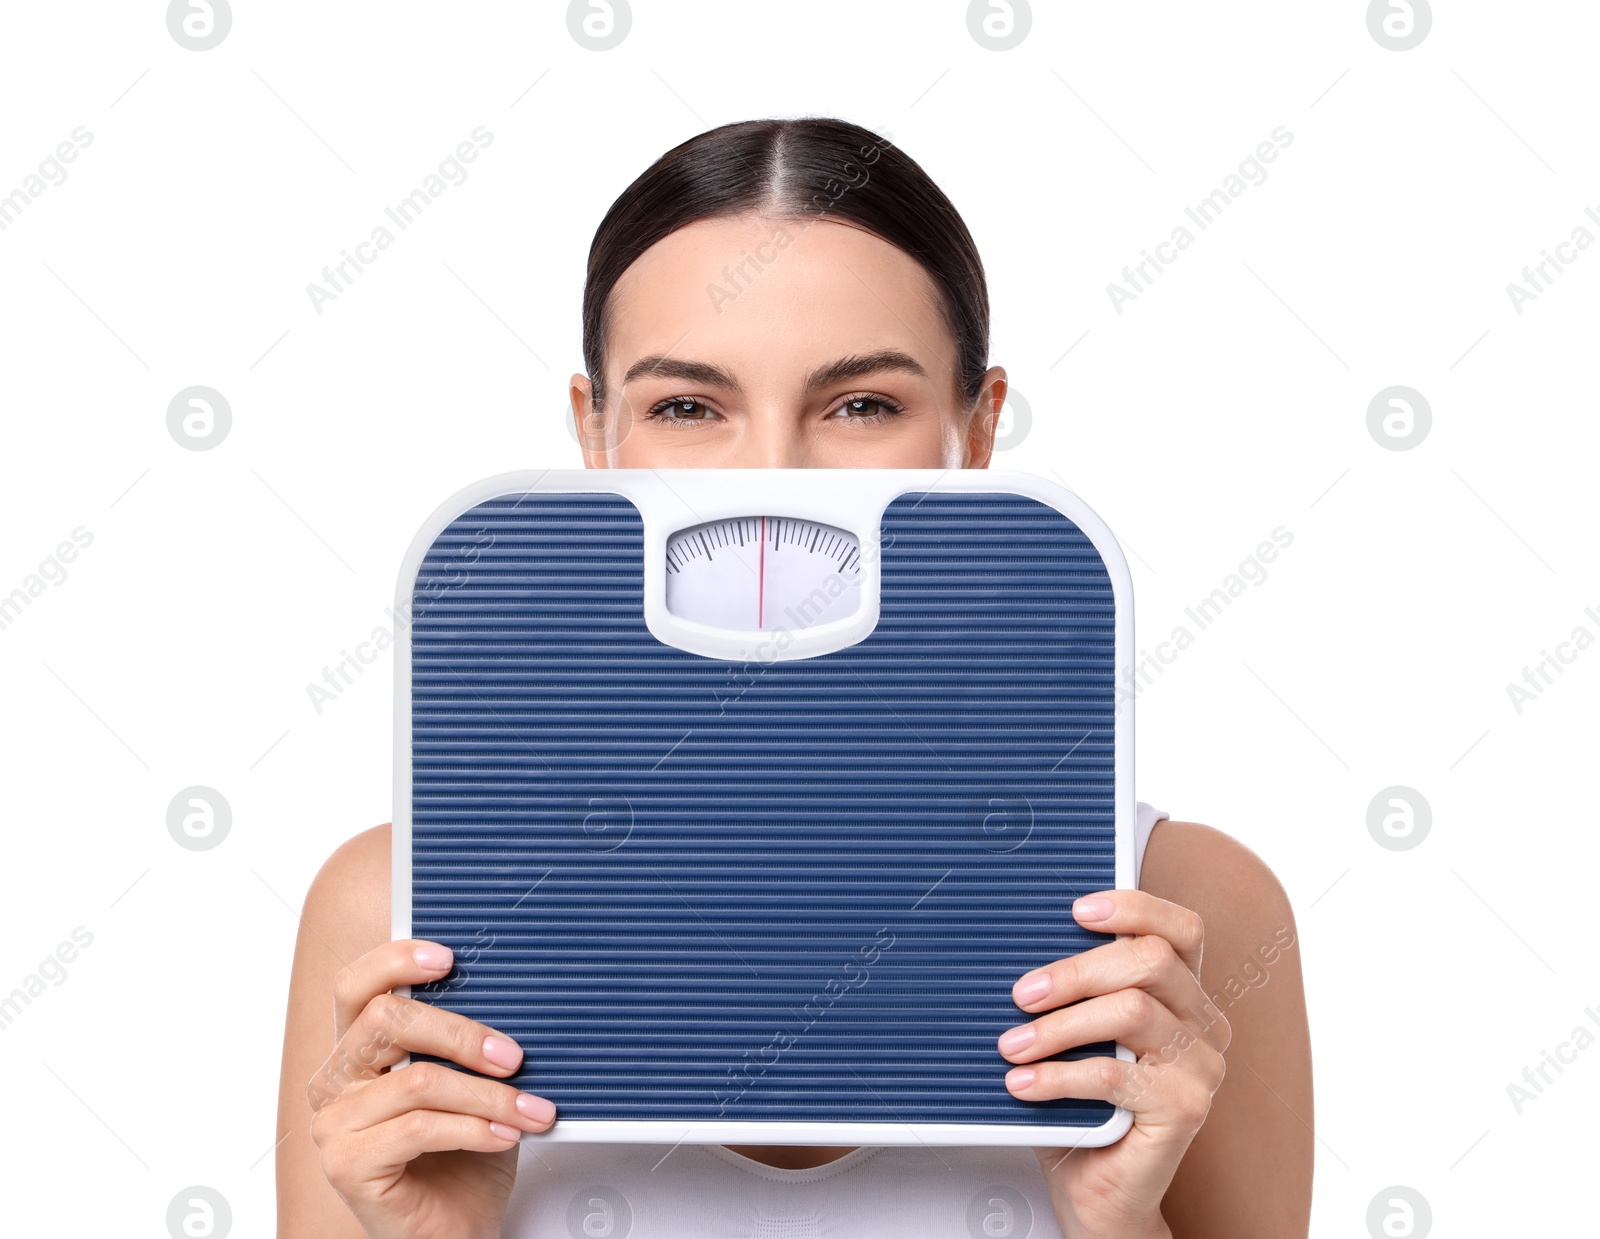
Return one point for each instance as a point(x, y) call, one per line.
point(1144, 992)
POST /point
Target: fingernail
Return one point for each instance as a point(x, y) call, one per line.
point(1020, 1078)
point(504, 1132)
point(433, 958)
point(1032, 987)
point(539, 1109)
point(1097, 909)
point(1017, 1039)
point(502, 1053)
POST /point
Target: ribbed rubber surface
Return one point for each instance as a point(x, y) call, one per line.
point(695, 889)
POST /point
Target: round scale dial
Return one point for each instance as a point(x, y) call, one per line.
point(754, 573)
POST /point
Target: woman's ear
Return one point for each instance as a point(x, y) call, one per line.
point(588, 423)
point(985, 417)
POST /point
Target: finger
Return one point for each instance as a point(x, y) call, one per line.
point(431, 1086)
point(390, 1027)
point(1168, 1106)
point(386, 1150)
point(405, 961)
point(1150, 963)
point(1175, 1096)
point(1133, 1017)
point(1138, 912)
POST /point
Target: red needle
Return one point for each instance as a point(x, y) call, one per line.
point(761, 577)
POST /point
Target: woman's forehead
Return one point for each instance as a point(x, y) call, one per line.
point(768, 296)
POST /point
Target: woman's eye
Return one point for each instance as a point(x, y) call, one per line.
point(864, 407)
point(682, 411)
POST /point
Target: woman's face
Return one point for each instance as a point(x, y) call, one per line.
point(749, 342)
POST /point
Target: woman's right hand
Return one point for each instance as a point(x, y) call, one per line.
point(425, 1152)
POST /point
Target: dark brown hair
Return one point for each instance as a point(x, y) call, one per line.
point(812, 167)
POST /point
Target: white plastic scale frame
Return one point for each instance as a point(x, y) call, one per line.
point(850, 499)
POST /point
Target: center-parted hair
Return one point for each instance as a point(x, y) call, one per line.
point(799, 169)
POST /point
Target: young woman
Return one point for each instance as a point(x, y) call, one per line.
point(795, 294)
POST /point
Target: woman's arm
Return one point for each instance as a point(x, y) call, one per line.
point(371, 1153)
point(346, 915)
point(1204, 986)
point(1247, 1173)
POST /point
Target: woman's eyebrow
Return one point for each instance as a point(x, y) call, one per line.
point(859, 365)
point(659, 365)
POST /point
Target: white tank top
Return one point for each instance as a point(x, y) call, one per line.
point(691, 1191)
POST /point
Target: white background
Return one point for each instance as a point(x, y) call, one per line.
point(1228, 399)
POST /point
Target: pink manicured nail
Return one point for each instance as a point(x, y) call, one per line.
point(1017, 1039)
point(504, 1132)
point(502, 1053)
point(1097, 909)
point(1020, 1078)
point(1032, 987)
point(433, 958)
point(539, 1109)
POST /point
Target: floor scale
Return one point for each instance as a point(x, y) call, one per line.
point(743, 796)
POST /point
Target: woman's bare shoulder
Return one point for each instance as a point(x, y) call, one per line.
point(359, 858)
point(1248, 1170)
point(347, 905)
point(1201, 867)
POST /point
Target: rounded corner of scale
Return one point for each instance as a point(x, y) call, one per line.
point(1118, 1125)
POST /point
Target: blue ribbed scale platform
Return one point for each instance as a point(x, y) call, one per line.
point(696, 889)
